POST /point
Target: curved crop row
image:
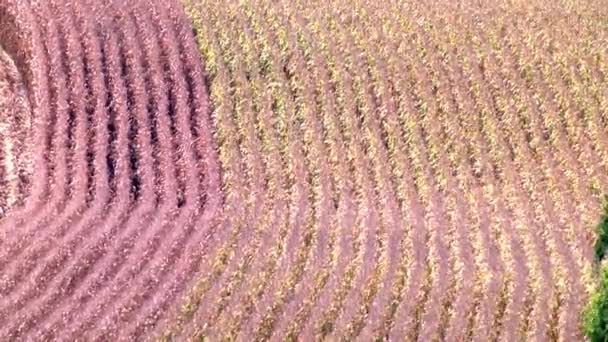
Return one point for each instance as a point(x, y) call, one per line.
point(410, 170)
point(301, 169)
point(15, 122)
point(125, 182)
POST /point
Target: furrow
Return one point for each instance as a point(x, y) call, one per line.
point(98, 99)
point(77, 98)
point(121, 168)
point(515, 255)
point(486, 210)
point(556, 237)
point(358, 115)
point(511, 124)
point(294, 254)
point(346, 207)
point(57, 151)
point(195, 237)
point(300, 170)
point(24, 39)
point(433, 311)
point(257, 181)
point(129, 255)
point(316, 270)
point(175, 238)
point(242, 255)
point(15, 125)
point(416, 291)
point(378, 106)
point(58, 141)
point(583, 138)
point(117, 96)
point(379, 308)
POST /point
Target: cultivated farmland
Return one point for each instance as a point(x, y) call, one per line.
point(124, 184)
point(300, 170)
point(14, 127)
point(403, 170)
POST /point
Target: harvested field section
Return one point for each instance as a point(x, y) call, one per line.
point(125, 182)
point(403, 170)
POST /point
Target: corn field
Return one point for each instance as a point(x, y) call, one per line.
point(300, 170)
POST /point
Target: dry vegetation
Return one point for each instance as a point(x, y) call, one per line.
point(124, 180)
point(15, 167)
point(302, 170)
point(415, 170)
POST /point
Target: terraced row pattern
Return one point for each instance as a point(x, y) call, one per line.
point(402, 170)
point(125, 180)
